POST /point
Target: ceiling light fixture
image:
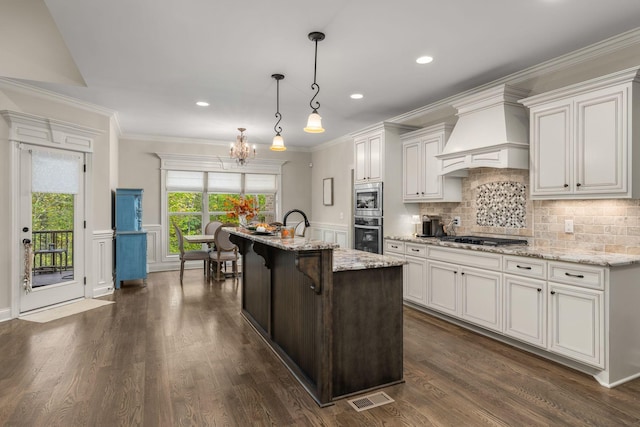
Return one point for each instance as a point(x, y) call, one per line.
point(240, 149)
point(278, 141)
point(356, 96)
point(202, 104)
point(314, 123)
point(424, 60)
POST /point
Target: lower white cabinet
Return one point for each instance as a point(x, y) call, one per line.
point(442, 293)
point(587, 314)
point(481, 293)
point(416, 289)
point(471, 294)
point(576, 323)
point(525, 309)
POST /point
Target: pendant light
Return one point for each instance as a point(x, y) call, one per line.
point(314, 123)
point(278, 141)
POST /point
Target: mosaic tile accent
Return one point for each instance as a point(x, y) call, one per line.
point(501, 204)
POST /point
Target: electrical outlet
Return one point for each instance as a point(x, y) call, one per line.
point(568, 226)
point(456, 221)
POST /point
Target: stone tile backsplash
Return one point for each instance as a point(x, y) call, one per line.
point(496, 202)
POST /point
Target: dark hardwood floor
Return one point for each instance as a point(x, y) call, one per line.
point(170, 356)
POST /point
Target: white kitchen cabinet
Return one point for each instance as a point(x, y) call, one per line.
point(414, 271)
point(481, 297)
point(369, 166)
point(525, 309)
point(421, 174)
point(442, 291)
point(581, 140)
point(576, 323)
point(416, 289)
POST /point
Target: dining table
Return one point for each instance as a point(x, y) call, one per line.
point(200, 238)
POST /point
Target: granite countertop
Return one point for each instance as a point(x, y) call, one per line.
point(352, 259)
point(601, 259)
point(295, 244)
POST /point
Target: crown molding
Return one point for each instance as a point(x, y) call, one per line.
point(588, 53)
point(183, 140)
point(7, 83)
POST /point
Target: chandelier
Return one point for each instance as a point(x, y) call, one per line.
point(240, 149)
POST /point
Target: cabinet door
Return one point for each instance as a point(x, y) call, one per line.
point(416, 289)
point(411, 162)
point(600, 142)
point(375, 160)
point(525, 314)
point(551, 150)
point(361, 154)
point(576, 323)
point(442, 289)
point(431, 179)
point(481, 293)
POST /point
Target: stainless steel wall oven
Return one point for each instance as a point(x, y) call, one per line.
point(367, 234)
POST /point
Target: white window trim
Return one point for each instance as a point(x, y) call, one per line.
point(187, 162)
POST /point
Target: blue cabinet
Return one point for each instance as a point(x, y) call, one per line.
point(131, 239)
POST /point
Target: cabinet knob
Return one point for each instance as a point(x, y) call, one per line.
point(417, 193)
point(578, 185)
point(539, 289)
point(462, 274)
point(553, 292)
point(566, 185)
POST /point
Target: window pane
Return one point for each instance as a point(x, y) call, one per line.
point(188, 224)
point(184, 202)
point(182, 180)
point(225, 182)
point(259, 183)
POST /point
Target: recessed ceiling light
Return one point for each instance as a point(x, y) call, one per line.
point(424, 60)
point(356, 96)
point(202, 104)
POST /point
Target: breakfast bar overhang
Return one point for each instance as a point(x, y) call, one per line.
point(333, 316)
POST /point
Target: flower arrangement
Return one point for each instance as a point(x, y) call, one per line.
point(242, 207)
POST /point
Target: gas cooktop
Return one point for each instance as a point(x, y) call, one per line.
point(486, 241)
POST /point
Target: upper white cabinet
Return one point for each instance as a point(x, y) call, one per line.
point(368, 155)
point(581, 140)
point(373, 147)
point(421, 173)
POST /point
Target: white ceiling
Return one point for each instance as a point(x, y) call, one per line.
point(151, 60)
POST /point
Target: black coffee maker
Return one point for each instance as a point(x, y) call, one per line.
point(431, 226)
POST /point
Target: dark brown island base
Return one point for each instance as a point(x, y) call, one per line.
point(333, 316)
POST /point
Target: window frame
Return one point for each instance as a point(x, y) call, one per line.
point(205, 164)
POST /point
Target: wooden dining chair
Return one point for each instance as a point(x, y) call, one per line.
point(224, 251)
point(194, 255)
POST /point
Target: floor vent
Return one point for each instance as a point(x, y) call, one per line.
point(371, 401)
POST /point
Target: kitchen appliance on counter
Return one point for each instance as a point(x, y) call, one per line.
point(486, 241)
point(367, 234)
point(431, 227)
point(368, 199)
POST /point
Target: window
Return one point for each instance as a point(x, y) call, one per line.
point(195, 198)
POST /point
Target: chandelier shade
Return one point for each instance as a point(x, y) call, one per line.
point(240, 149)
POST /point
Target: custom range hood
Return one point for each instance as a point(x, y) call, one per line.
point(492, 131)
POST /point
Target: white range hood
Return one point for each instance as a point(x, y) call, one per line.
point(492, 131)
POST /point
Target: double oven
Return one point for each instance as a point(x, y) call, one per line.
point(367, 219)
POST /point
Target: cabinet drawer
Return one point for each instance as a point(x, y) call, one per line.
point(529, 267)
point(394, 246)
point(466, 257)
point(415, 249)
point(577, 274)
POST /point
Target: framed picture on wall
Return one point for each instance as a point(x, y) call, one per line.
point(327, 191)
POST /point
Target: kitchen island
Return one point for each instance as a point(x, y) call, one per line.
point(333, 316)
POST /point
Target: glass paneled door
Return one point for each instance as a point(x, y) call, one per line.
point(52, 218)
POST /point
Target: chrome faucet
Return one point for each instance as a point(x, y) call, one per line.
point(306, 221)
